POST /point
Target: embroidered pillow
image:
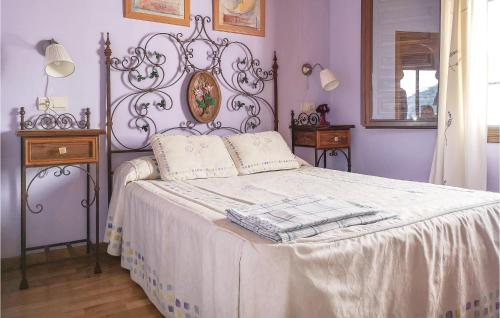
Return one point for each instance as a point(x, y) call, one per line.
point(266, 151)
point(192, 157)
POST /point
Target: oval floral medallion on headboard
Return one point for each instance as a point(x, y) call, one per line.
point(204, 97)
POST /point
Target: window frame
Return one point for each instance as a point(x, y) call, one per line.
point(493, 134)
point(367, 119)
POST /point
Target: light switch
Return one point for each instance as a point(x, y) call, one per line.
point(54, 102)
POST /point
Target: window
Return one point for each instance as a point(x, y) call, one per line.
point(421, 87)
point(493, 71)
point(416, 64)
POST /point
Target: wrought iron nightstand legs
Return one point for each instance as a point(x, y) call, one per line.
point(333, 152)
point(91, 185)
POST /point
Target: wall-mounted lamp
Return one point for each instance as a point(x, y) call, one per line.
point(58, 63)
point(329, 81)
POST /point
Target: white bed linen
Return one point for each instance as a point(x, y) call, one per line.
point(440, 257)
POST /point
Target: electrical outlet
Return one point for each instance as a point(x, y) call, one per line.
point(308, 107)
point(54, 102)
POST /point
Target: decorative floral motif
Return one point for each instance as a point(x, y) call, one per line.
point(266, 151)
point(454, 60)
point(204, 97)
point(203, 93)
point(448, 124)
point(192, 157)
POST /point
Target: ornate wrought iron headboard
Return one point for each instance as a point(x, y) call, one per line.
point(149, 87)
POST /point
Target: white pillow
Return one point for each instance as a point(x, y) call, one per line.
point(192, 157)
point(266, 151)
point(145, 168)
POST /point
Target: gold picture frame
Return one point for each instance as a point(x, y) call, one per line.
point(240, 16)
point(174, 11)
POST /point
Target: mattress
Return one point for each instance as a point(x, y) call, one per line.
point(439, 258)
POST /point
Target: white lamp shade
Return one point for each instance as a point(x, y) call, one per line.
point(58, 63)
point(329, 81)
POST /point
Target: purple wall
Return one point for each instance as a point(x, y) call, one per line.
point(494, 167)
point(321, 31)
point(78, 25)
point(401, 154)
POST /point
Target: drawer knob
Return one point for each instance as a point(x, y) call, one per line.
point(62, 150)
point(336, 138)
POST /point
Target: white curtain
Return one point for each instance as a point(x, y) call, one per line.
point(460, 155)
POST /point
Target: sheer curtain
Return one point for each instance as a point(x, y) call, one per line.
point(460, 154)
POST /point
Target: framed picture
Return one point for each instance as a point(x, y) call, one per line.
point(240, 16)
point(163, 11)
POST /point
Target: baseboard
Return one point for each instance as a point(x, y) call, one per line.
point(50, 255)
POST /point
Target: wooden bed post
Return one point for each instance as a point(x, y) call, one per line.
point(107, 54)
point(275, 79)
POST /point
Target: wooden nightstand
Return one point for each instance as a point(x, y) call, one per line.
point(60, 143)
point(333, 138)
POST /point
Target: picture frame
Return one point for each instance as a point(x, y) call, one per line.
point(175, 12)
point(240, 16)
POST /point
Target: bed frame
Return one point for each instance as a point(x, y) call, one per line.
point(150, 90)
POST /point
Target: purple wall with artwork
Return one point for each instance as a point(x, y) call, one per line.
point(291, 29)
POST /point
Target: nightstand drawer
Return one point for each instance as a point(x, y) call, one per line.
point(305, 138)
point(60, 150)
point(333, 139)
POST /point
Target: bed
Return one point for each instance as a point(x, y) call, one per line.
point(439, 258)
point(440, 255)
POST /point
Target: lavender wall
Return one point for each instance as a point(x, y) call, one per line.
point(494, 167)
point(401, 154)
point(325, 31)
point(292, 30)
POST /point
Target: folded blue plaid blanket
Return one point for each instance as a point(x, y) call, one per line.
point(303, 216)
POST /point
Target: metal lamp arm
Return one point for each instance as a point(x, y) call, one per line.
point(307, 68)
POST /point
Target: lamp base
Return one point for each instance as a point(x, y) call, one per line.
point(322, 120)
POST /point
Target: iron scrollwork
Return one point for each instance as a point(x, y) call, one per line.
point(335, 152)
point(59, 172)
point(305, 119)
point(53, 120)
point(145, 73)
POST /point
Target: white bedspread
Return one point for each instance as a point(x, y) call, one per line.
point(440, 257)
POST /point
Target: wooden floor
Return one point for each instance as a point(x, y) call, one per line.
point(69, 288)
